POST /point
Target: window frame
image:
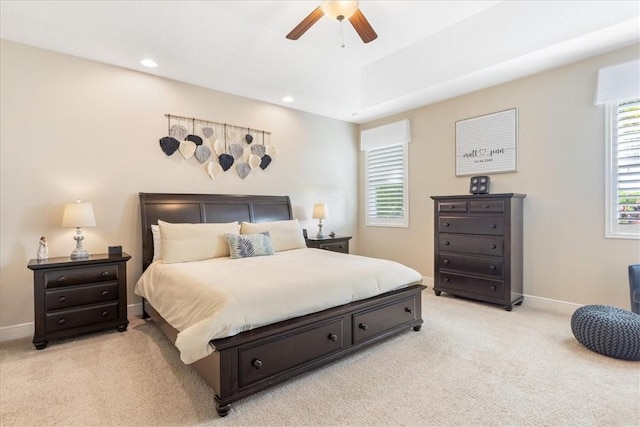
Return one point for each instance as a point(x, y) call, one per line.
point(613, 230)
point(402, 222)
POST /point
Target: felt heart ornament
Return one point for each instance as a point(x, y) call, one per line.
point(258, 150)
point(266, 161)
point(243, 170)
point(187, 148)
point(169, 145)
point(219, 147)
point(195, 139)
point(271, 151)
point(254, 161)
point(207, 132)
point(202, 153)
point(236, 151)
point(214, 169)
point(226, 161)
point(178, 132)
point(249, 138)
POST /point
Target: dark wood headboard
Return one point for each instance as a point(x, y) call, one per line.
point(206, 208)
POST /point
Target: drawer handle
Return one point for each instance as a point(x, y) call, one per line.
point(452, 206)
point(105, 292)
point(446, 261)
point(325, 248)
point(256, 363)
point(105, 312)
point(363, 326)
point(62, 321)
point(492, 267)
point(62, 299)
point(408, 310)
point(61, 279)
point(333, 337)
point(446, 279)
point(341, 246)
point(493, 246)
point(485, 206)
point(493, 226)
point(446, 243)
point(446, 224)
point(105, 273)
point(492, 287)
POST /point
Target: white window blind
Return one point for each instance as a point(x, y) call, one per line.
point(386, 174)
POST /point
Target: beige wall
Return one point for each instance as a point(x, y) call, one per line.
point(72, 128)
point(561, 169)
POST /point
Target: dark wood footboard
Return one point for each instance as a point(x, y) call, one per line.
point(255, 360)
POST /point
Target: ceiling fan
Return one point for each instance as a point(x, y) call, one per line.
point(338, 10)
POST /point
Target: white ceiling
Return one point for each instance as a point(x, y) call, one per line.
point(426, 51)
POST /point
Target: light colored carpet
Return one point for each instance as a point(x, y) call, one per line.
point(471, 364)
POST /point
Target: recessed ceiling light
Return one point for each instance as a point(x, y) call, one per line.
point(287, 99)
point(149, 63)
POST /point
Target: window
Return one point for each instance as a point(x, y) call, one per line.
point(623, 169)
point(386, 174)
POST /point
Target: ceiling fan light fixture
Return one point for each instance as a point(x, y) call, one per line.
point(339, 10)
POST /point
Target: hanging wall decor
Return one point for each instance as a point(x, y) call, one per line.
point(218, 146)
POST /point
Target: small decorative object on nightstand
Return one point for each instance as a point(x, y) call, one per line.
point(334, 244)
point(43, 249)
point(77, 296)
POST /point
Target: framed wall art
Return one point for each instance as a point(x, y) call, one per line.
point(487, 144)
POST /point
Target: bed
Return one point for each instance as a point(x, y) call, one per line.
point(247, 362)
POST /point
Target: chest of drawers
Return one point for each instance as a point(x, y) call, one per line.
point(77, 296)
point(478, 247)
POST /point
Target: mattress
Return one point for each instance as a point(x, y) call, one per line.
point(220, 297)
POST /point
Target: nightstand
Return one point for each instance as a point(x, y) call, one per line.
point(72, 297)
point(335, 244)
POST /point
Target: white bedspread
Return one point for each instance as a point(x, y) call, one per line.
point(221, 297)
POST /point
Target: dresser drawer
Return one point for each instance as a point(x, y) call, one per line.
point(484, 288)
point(342, 247)
point(476, 206)
point(73, 318)
point(379, 320)
point(471, 264)
point(456, 206)
point(481, 245)
point(471, 225)
point(283, 352)
point(80, 276)
point(80, 295)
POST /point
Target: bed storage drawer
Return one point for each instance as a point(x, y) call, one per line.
point(272, 355)
point(381, 319)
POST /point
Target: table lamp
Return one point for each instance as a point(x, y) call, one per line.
point(320, 212)
point(78, 215)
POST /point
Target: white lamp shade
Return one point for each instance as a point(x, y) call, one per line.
point(344, 8)
point(320, 211)
point(79, 214)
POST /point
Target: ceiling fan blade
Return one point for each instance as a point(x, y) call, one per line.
point(362, 27)
point(305, 24)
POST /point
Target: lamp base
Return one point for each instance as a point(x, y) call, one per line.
point(79, 254)
point(320, 235)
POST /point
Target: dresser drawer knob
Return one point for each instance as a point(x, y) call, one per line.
point(363, 326)
point(256, 363)
point(485, 206)
point(446, 224)
point(408, 310)
point(61, 279)
point(493, 246)
point(492, 267)
point(452, 206)
point(62, 321)
point(333, 337)
point(446, 280)
point(446, 243)
point(492, 287)
point(62, 299)
point(105, 273)
point(446, 261)
point(104, 293)
point(341, 246)
point(105, 312)
point(493, 226)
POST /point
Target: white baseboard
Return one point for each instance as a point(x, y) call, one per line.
point(25, 330)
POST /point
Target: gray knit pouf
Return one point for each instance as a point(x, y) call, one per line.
point(608, 330)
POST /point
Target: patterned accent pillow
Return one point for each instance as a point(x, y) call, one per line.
point(248, 245)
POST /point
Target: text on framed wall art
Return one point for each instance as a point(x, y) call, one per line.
point(487, 144)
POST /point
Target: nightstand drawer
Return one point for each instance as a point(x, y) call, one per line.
point(335, 247)
point(67, 319)
point(471, 225)
point(80, 295)
point(80, 276)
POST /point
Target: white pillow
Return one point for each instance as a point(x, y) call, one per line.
point(285, 235)
point(194, 242)
point(157, 243)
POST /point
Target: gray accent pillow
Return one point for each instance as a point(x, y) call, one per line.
point(249, 245)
